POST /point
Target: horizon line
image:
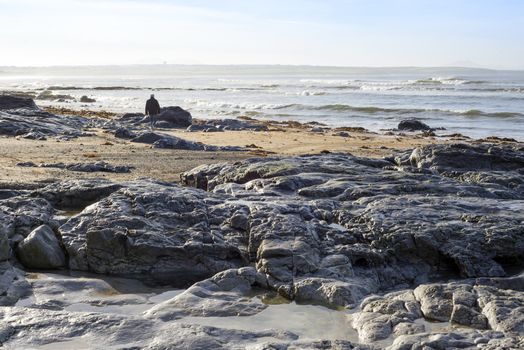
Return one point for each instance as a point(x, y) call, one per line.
point(259, 65)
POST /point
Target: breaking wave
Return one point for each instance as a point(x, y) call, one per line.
point(123, 88)
point(478, 113)
point(398, 111)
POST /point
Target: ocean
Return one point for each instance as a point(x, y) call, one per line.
point(474, 102)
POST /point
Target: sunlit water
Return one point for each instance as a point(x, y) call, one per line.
point(308, 322)
point(474, 102)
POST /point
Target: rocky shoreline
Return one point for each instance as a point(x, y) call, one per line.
point(423, 249)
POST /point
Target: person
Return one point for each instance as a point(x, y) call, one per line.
point(152, 109)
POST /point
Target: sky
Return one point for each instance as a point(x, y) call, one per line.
point(476, 33)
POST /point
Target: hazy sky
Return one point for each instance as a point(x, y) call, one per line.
point(487, 33)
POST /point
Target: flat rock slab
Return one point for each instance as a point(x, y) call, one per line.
point(214, 125)
point(160, 140)
point(82, 167)
point(36, 124)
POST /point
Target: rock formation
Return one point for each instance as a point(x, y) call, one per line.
point(413, 125)
point(429, 236)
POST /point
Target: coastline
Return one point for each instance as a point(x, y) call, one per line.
point(388, 239)
point(282, 139)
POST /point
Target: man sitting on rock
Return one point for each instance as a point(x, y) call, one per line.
point(152, 109)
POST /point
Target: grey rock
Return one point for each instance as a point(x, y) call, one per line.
point(380, 316)
point(152, 229)
point(35, 136)
point(463, 339)
point(198, 127)
point(468, 316)
point(75, 194)
point(123, 133)
point(26, 164)
point(158, 140)
point(317, 129)
point(407, 328)
point(41, 250)
point(149, 137)
point(215, 125)
point(13, 285)
point(37, 124)
point(504, 309)
point(225, 294)
point(175, 117)
point(461, 158)
point(436, 301)
point(22, 214)
point(14, 102)
point(412, 125)
point(325, 229)
point(100, 166)
point(5, 249)
point(85, 99)
point(131, 117)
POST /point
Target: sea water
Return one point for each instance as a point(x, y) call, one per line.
point(475, 102)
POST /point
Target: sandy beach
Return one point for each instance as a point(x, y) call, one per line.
point(282, 139)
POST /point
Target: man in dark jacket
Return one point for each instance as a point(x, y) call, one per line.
point(152, 109)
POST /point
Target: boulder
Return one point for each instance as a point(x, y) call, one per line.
point(124, 133)
point(85, 99)
point(413, 125)
point(41, 250)
point(15, 102)
point(131, 117)
point(175, 116)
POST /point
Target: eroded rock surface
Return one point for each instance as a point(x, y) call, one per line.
point(155, 229)
point(330, 229)
point(37, 124)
